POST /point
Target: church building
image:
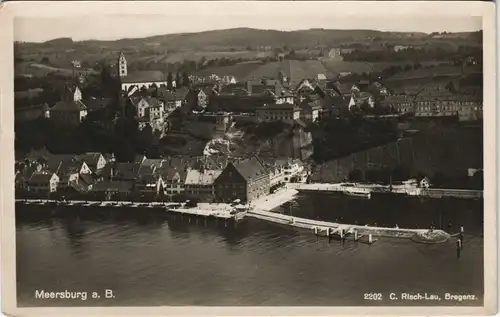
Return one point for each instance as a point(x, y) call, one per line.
point(138, 79)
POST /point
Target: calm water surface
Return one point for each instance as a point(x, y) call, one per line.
point(157, 260)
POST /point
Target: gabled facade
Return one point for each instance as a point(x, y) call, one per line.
point(247, 180)
point(43, 183)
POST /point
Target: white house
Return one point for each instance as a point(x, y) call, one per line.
point(43, 182)
point(294, 168)
point(424, 183)
point(173, 181)
point(150, 108)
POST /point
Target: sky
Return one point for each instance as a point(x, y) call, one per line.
point(180, 17)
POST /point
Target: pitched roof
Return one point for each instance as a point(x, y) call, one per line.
point(69, 105)
point(205, 177)
point(153, 162)
point(311, 105)
point(144, 76)
point(114, 186)
point(395, 99)
point(40, 177)
point(126, 170)
point(279, 106)
point(59, 163)
point(94, 103)
point(91, 158)
point(250, 169)
point(169, 173)
point(153, 102)
point(181, 92)
point(87, 179)
point(148, 178)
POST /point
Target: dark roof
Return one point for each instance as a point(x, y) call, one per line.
point(181, 92)
point(69, 105)
point(153, 102)
point(144, 76)
point(148, 178)
point(69, 167)
point(139, 158)
point(114, 186)
point(250, 169)
point(94, 103)
point(311, 105)
point(30, 93)
point(91, 158)
point(56, 161)
point(165, 94)
point(153, 162)
point(395, 99)
point(279, 106)
point(86, 179)
point(126, 170)
point(40, 177)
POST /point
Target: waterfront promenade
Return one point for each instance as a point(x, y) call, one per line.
point(396, 189)
point(221, 211)
point(259, 209)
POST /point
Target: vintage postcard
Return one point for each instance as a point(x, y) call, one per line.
point(248, 158)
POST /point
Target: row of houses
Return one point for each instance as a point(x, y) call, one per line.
point(437, 103)
point(201, 179)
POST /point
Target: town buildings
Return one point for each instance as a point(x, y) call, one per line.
point(70, 111)
point(43, 183)
point(246, 180)
point(138, 79)
point(200, 184)
point(399, 103)
point(310, 110)
point(285, 112)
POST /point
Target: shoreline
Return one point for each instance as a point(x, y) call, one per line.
point(259, 209)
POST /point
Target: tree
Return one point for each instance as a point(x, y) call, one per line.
point(185, 79)
point(169, 80)
point(178, 79)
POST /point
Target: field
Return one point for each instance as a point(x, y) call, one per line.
point(365, 67)
point(310, 68)
point(41, 70)
point(438, 71)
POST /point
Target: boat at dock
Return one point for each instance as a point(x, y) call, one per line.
point(359, 193)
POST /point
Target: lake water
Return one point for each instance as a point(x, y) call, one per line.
point(152, 260)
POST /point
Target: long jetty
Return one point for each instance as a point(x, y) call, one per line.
point(220, 211)
point(261, 209)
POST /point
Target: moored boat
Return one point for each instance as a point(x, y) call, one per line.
point(358, 193)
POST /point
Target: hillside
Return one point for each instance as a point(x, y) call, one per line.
point(241, 38)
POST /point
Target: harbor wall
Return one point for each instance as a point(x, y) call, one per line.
point(448, 150)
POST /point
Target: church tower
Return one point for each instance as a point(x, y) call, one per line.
point(122, 65)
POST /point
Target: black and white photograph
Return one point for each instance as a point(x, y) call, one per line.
point(251, 154)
